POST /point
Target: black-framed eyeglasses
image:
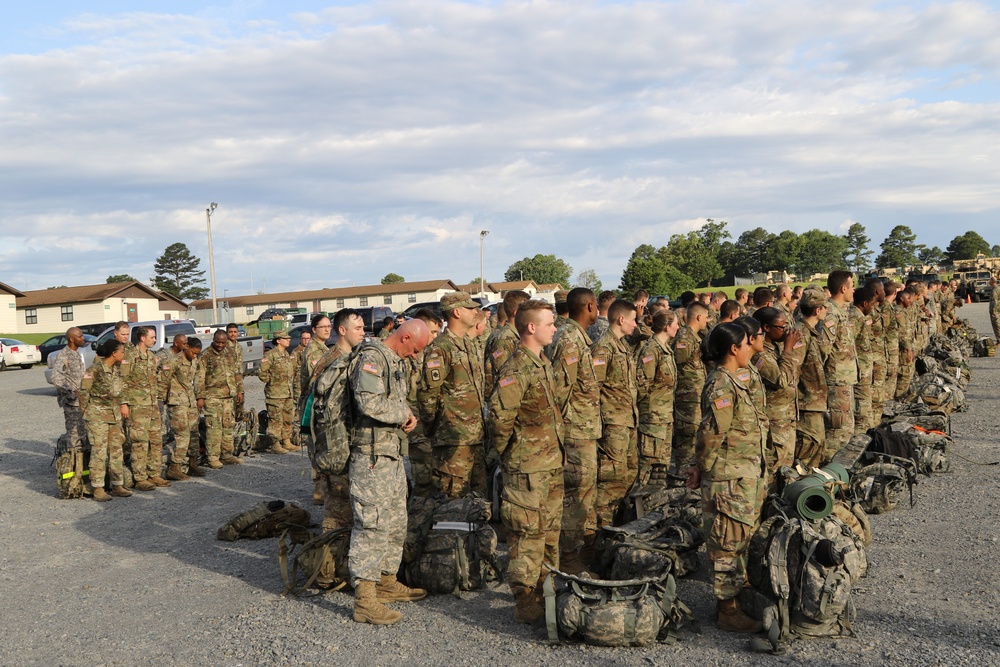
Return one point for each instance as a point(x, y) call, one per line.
point(759, 334)
point(777, 326)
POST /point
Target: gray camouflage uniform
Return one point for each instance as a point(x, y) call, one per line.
point(67, 374)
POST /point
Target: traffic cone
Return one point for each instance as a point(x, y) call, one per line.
point(968, 298)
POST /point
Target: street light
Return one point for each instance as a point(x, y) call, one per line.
point(211, 260)
point(482, 278)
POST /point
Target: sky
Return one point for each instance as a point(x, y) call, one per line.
point(346, 140)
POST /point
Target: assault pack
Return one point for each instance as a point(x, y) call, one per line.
point(72, 468)
point(268, 519)
point(984, 347)
point(321, 560)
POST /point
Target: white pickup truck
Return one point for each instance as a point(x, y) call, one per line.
point(253, 346)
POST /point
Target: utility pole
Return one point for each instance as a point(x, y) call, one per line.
point(211, 260)
point(482, 277)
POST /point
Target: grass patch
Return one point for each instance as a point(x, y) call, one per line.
point(31, 338)
point(731, 290)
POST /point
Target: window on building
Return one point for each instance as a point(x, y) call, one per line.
point(67, 313)
point(411, 297)
point(363, 301)
point(249, 310)
point(340, 304)
point(387, 300)
point(271, 305)
point(31, 316)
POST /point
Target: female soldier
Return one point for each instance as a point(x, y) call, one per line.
point(730, 470)
point(100, 399)
point(656, 375)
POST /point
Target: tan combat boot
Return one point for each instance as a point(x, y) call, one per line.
point(119, 491)
point(367, 608)
point(194, 470)
point(526, 607)
point(276, 448)
point(230, 460)
point(389, 589)
point(214, 464)
point(319, 493)
point(159, 481)
point(290, 446)
point(145, 485)
point(732, 619)
point(100, 495)
point(176, 473)
point(570, 563)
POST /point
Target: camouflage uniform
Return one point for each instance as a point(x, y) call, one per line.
point(841, 378)
point(948, 308)
point(880, 360)
point(810, 430)
point(100, 399)
point(597, 329)
point(995, 312)
point(527, 430)
point(236, 352)
point(278, 375)
point(579, 397)
point(67, 375)
point(687, 397)
point(307, 363)
point(864, 345)
point(420, 449)
point(656, 377)
point(337, 511)
point(499, 347)
point(617, 453)
point(378, 482)
point(890, 327)
point(177, 387)
point(139, 376)
point(451, 403)
point(905, 322)
point(218, 384)
point(730, 455)
point(779, 372)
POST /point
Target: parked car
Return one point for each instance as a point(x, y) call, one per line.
point(17, 353)
point(373, 317)
point(296, 334)
point(57, 343)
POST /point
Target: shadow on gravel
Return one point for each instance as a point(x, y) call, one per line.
point(31, 462)
point(38, 391)
point(952, 634)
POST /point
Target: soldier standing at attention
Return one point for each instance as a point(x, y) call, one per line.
point(600, 325)
point(810, 430)
point(617, 453)
point(321, 329)
point(842, 364)
point(451, 400)
point(861, 322)
point(218, 389)
point(690, 381)
point(995, 309)
point(504, 340)
point(388, 324)
point(100, 395)
point(905, 325)
point(730, 471)
point(891, 329)
point(232, 333)
point(527, 428)
point(741, 296)
point(378, 379)
point(177, 387)
point(779, 365)
point(579, 396)
point(880, 358)
point(656, 377)
point(278, 375)
point(67, 375)
point(139, 399)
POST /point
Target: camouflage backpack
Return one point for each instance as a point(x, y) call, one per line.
point(321, 560)
point(602, 612)
point(72, 469)
point(244, 432)
point(267, 519)
point(984, 347)
point(664, 541)
point(450, 546)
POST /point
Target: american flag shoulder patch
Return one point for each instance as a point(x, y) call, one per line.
point(760, 363)
point(507, 381)
point(496, 355)
point(370, 368)
point(599, 361)
point(723, 403)
point(648, 358)
point(743, 377)
point(681, 345)
point(87, 376)
point(434, 363)
point(798, 345)
point(572, 359)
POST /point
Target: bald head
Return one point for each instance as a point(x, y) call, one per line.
point(74, 338)
point(409, 339)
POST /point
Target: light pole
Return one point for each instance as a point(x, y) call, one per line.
point(482, 278)
point(211, 260)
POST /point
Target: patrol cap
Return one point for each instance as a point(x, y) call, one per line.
point(813, 298)
point(458, 300)
point(281, 334)
point(562, 295)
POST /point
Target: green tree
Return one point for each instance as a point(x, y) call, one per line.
point(120, 278)
point(967, 246)
point(931, 255)
point(543, 269)
point(696, 254)
point(177, 273)
point(56, 287)
point(822, 252)
point(857, 255)
point(749, 255)
point(392, 279)
point(783, 253)
point(647, 269)
point(899, 249)
point(588, 278)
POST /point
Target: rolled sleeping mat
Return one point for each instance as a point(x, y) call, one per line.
point(809, 497)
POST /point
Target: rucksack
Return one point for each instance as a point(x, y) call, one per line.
point(268, 519)
point(450, 546)
point(664, 540)
point(72, 468)
point(634, 612)
point(941, 392)
point(878, 487)
point(984, 347)
point(321, 560)
point(244, 432)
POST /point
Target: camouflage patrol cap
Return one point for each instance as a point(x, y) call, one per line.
point(813, 298)
point(281, 334)
point(458, 300)
point(562, 295)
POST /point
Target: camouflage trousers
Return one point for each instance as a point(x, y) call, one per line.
point(220, 420)
point(653, 451)
point(106, 456)
point(337, 510)
point(904, 377)
point(75, 428)
point(730, 515)
point(878, 393)
point(579, 513)
point(781, 444)
point(810, 438)
point(531, 510)
point(422, 465)
point(617, 467)
point(891, 378)
point(995, 323)
point(147, 441)
point(687, 417)
point(378, 501)
point(459, 469)
point(839, 418)
point(184, 420)
point(863, 399)
point(280, 415)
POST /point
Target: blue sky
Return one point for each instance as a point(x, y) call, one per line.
point(346, 140)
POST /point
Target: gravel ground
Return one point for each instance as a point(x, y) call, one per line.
point(143, 580)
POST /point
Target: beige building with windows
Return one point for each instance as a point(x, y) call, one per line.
point(55, 310)
point(8, 309)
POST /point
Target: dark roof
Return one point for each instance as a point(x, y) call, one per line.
point(330, 293)
point(85, 293)
point(10, 290)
